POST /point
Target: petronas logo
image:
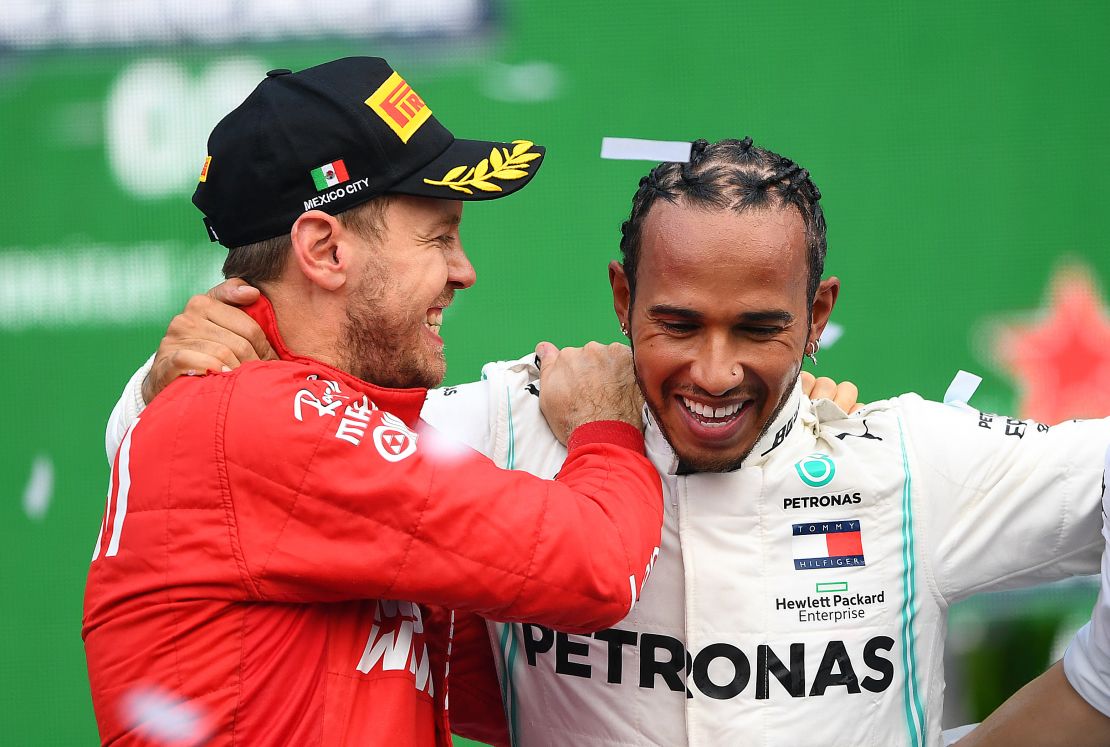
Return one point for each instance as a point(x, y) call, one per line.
point(816, 470)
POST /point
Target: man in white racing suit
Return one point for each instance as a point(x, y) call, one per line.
point(801, 599)
point(808, 557)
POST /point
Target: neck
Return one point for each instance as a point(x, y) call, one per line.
point(310, 322)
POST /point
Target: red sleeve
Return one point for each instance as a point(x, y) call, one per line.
point(322, 513)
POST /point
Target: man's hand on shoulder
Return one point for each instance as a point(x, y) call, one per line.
point(845, 394)
point(581, 385)
point(210, 334)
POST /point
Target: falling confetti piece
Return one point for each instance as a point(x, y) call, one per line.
point(832, 333)
point(633, 149)
point(163, 717)
point(40, 488)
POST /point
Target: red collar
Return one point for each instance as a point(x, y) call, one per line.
point(404, 403)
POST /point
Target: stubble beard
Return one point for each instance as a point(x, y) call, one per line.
point(688, 464)
point(382, 349)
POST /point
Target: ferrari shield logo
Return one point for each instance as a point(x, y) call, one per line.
point(394, 444)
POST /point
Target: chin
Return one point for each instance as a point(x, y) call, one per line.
point(708, 461)
point(431, 373)
point(694, 456)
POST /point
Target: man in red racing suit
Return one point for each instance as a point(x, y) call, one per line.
point(259, 521)
point(275, 535)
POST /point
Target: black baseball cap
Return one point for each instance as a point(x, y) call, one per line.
point(334, 136)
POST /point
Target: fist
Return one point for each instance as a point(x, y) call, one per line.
point(581, 385)
point(210, 334)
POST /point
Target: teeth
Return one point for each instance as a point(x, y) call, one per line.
point(434, 319)
point(706, 411)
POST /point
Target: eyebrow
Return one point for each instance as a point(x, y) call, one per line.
point(747, 317)
point(448, 220)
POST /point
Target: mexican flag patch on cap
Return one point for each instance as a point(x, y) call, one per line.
point(330, 174)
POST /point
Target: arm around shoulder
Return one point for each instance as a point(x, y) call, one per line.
point(330, 512)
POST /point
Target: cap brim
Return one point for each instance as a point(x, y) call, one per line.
point(475, 170)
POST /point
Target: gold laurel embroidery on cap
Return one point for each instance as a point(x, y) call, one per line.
point(501, 164)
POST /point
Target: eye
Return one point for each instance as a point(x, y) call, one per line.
point(678, 328)
point(757, 331)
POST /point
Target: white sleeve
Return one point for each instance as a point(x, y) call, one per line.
point(462, 413)
point(1087, 660)
point(1005, 502)
point(127, 410)
point(500, 417)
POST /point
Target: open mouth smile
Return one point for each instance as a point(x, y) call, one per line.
point(711, 423)
point(714, 417)
point(434, 320)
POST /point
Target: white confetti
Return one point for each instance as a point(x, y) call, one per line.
point(163, 717)
point(962, 387)
point(832, 333)
point(440, 447)
point(40, 488)
point(631, 149)
point(528, 82)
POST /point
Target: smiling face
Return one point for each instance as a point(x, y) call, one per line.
point(409, 274)
point(719, 324)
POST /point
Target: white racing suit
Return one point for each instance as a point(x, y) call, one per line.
point(802, 599)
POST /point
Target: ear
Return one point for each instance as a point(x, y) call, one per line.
point(319, 249)
point(622, 294)
point(823, 304)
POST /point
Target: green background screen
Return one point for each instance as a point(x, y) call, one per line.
point(961, 149)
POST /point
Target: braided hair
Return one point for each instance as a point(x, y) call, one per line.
point(730, 174)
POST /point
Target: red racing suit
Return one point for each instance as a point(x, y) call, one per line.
point(261, 524)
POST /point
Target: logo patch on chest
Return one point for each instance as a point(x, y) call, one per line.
point(816, 470)
point(393, 439)
point(827, 544)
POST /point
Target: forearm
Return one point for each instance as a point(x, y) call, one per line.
point(604, 534)
point(570, 553)
point(442, 525)
point(1045, 713)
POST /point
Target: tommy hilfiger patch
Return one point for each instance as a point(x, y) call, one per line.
point(827, 544)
